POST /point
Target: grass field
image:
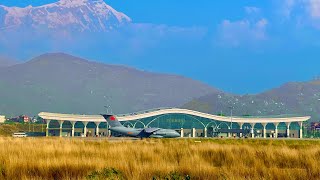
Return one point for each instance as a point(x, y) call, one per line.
point(59, 158)
point(9, 129)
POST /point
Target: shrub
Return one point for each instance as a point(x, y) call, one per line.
point(106, 173)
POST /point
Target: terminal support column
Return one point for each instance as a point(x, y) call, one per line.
point(107, 126)
point(72, 131)
point(181, 132)
point(300, 130)
point(85, 128)
point(47, 129)
point(264, 130)
point(193, 132)
point(288, 129)
point(276, 130)
point(252, 129)
point(240, 126)
point(97, 128)
point(60, 128)
point(109, 132)
point(205, 132)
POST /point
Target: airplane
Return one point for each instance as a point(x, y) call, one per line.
point(116, 126)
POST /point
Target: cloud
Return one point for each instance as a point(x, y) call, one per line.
point(287, 7)
point(141, 37)
point(165, 30)
point(136, 39)
point(302, 12)
point(250, 30)
point(251, 10)
point(314, 8)
point(310, 7)
point(236, 33)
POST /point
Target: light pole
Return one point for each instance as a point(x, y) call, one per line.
point(107, 107)
point(108, 98)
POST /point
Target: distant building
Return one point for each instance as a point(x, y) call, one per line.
point(15, 119)
point(2, 119)
point(25, 118)
point(315, 125)
point(20, 119)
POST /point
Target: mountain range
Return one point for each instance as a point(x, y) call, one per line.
point(293, 98)
point(76, 15)
point(63, 83)
point(6, 61)
point(59, 82)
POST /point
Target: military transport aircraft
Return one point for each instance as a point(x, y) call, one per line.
point(117, 127)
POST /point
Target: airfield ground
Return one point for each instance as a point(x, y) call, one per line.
point(66, 158)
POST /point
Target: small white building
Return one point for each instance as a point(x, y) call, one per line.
point(2, 119)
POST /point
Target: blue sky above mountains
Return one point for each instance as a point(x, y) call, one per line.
point(239, 46)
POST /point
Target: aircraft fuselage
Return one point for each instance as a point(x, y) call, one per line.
point(132, 132)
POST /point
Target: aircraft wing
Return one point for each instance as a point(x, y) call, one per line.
point(151, 130)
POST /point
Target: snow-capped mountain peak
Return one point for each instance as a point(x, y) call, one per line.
point(72, 2)
point(80, 15)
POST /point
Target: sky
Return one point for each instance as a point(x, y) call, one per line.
point(243, 47)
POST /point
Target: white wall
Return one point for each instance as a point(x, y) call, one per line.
point(2, 119)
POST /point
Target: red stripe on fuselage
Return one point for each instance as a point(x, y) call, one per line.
point(112, 118)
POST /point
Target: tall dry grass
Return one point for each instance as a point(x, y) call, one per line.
point(59, 158)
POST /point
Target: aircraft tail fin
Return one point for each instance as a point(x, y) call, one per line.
point(112, 120)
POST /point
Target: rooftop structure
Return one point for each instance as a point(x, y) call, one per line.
point(176, 118)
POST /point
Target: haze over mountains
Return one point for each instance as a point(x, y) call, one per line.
point(63, 83)
point(59, 82)
point(248, 42)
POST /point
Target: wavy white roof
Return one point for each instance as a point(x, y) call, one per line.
point(132, 117)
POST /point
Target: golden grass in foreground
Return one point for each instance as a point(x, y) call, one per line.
point(58, 158)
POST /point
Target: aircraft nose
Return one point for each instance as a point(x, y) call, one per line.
point(176, 134)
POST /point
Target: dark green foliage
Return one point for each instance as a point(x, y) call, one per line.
point(174, 175)
point(219, 114)
point(106, 173)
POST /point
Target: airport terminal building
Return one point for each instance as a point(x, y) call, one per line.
point(188, 123)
